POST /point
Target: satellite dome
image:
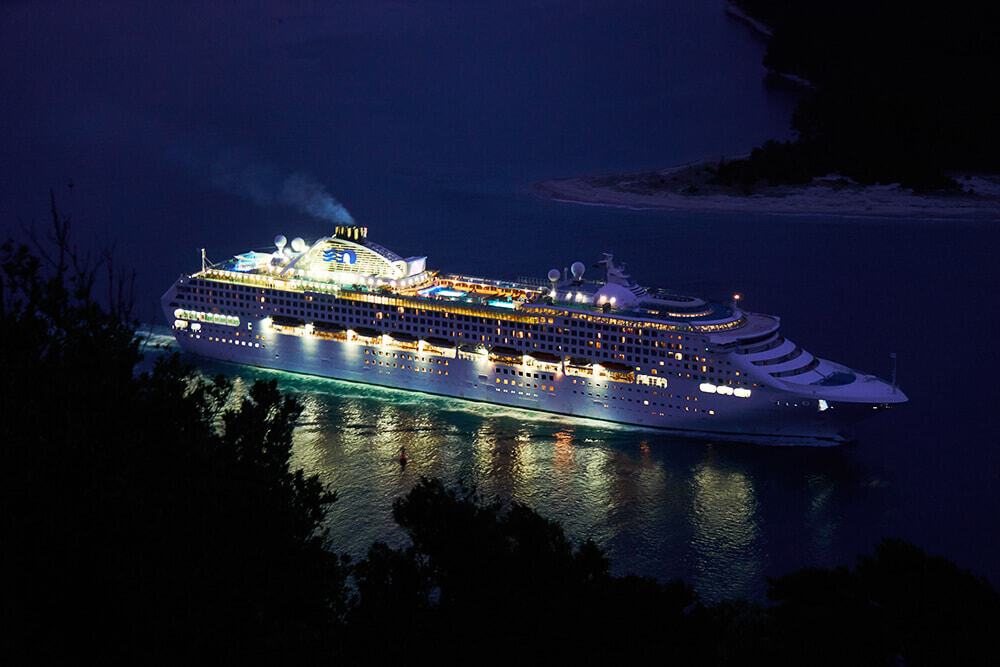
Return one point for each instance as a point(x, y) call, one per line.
point(298, 245)
point(280, 241)
point(617, 296)
point(553, 275)
point(577, 269)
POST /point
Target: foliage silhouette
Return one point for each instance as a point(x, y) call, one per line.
point(154, 517)
point(505, 577)
point(899, 92)
point(148, 514)
point(487, 575)
point(899, 603)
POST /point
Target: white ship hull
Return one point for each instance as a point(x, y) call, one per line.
point(772, 417)
point(349, 309)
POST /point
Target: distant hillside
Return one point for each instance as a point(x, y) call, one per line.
point(902, 92)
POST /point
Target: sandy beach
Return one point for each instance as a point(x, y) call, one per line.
point(689, 188)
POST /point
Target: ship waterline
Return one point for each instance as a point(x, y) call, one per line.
point(607, 349)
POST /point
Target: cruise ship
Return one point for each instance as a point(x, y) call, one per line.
point(598, 347)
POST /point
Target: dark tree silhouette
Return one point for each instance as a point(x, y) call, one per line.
point(153, 517)
point(483, 574)
point(899, 92)
point(487, 575)
point(146, 515)
point(898, 605)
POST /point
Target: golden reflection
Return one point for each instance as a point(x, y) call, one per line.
point(659, 507)
point(308, 438)
point(527, 460)
point(598, 467)
point(563, 451)
point(724, 519)
point(484, 450)
point(636, 489)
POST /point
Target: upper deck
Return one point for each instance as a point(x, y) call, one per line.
point(349, 266)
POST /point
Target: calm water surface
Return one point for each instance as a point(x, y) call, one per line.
point(722, 516)
point(430, 121)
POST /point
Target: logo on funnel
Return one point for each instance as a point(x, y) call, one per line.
point(339, 256)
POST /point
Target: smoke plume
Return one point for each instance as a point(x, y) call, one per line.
point(308, 196)
point(265, 185)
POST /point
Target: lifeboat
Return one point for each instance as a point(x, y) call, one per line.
point(505, 355)
point(616, 367)
point(285, 321)
point(618, 372)
point(328, 327)
point(365, 332)
point(546, 357)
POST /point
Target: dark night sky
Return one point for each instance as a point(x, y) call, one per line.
point(389, 104)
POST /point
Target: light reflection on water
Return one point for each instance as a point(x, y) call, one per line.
point(721, 516)
point(724, 518)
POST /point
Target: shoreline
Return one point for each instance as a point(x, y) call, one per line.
point(688, 188)
point(756, 25)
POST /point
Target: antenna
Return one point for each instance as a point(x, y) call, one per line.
point(203, 260)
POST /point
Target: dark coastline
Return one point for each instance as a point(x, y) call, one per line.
point(693, 188)
point(856, 149)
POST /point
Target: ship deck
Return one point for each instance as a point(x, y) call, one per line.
point(490, 294)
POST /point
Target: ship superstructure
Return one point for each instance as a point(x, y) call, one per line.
point(607, 348)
